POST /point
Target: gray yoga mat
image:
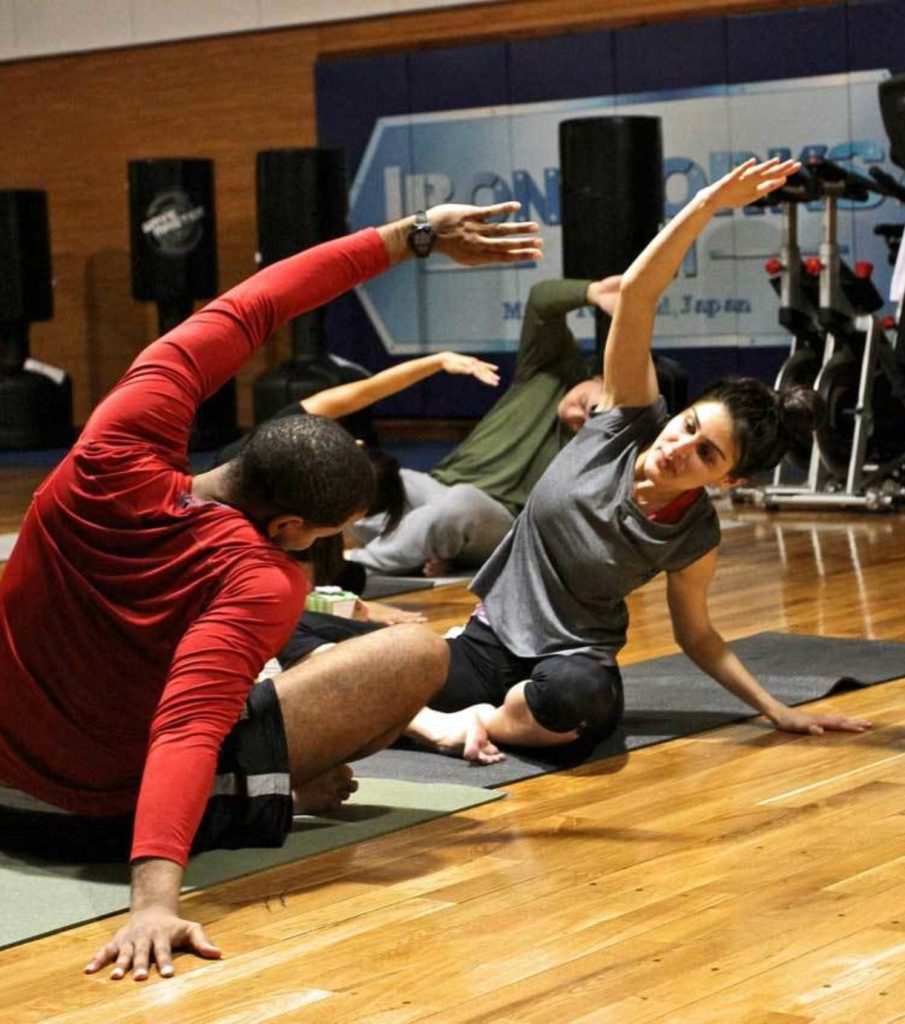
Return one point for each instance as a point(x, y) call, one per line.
point(385, 586)
point(669, 697)
point(7, 541)
point(41, 897)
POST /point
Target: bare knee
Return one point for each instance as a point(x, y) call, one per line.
point(428, 651)
point(575, 693)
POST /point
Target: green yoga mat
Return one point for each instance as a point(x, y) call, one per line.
point(41, 897)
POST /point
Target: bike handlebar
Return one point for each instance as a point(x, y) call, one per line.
point(888, 184)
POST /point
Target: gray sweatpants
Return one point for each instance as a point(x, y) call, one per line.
point(459, 524)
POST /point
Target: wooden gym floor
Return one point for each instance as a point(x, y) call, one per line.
point(738, 877)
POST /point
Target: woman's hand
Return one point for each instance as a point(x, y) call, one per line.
point(798, 720)
point(469, 366)
point(749, 181)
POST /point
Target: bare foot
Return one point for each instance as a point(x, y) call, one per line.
point(435, 567)
point(324, 792)
point(478, 746)
point(457, 733)
point(384, 614)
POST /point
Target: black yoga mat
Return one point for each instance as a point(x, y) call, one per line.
point(669, 697)
point(386, 586)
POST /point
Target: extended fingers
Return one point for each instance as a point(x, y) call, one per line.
point(503, 250)
point(485, 372)
point(502, 236)
point(141, 958)
point(511, 227)
point(774, 171)
point(200, 943)
point(818, 724)
point(479, 258)
point(123, 961)
point(163, 955)
point(844, 724)
point(498, 210)
point(105, 955)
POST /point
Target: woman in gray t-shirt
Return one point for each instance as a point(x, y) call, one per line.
point(623, 501)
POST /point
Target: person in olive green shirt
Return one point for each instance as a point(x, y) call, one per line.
point(461, 510)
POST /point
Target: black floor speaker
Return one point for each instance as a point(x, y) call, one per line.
point(35, 399)
point(26, 286)
point(173, 229)
point(611, 181)
point(303, 200)
point(173, 236)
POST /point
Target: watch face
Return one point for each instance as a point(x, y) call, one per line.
point(421, 240)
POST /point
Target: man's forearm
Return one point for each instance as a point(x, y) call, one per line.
point(156, 883)
point(395, 238)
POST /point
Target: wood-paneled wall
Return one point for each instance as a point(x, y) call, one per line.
point(70, 124)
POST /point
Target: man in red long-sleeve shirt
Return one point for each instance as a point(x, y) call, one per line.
point(140, 604)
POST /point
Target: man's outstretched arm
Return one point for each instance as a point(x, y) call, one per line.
point(157, 399)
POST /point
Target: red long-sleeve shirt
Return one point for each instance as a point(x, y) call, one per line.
point(133, 617)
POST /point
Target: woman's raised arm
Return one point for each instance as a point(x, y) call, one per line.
point(628, 372)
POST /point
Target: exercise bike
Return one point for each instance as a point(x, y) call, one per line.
point(841, 350)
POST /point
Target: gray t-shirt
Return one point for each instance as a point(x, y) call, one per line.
point(557, 582)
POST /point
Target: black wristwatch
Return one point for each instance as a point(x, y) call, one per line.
point(422, 236)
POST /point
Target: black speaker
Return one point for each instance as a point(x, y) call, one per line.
point(35, 399)
point(611, 181)
point(173, 229)
point(892, 107)
point(174, 262)
point(35, 409)
point(26, 287)
point(302, 200)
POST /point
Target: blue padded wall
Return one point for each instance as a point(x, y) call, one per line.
point(459, 76)
point(561, 67)
point(786, 44)
point(876, 34)
point(645, 58)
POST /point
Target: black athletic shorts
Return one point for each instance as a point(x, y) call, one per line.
point(250, 802)
point(482, 670)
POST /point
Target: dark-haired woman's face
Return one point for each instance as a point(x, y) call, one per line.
point(694, 449)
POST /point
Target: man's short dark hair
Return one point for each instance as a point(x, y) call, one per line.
point(302, 465)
